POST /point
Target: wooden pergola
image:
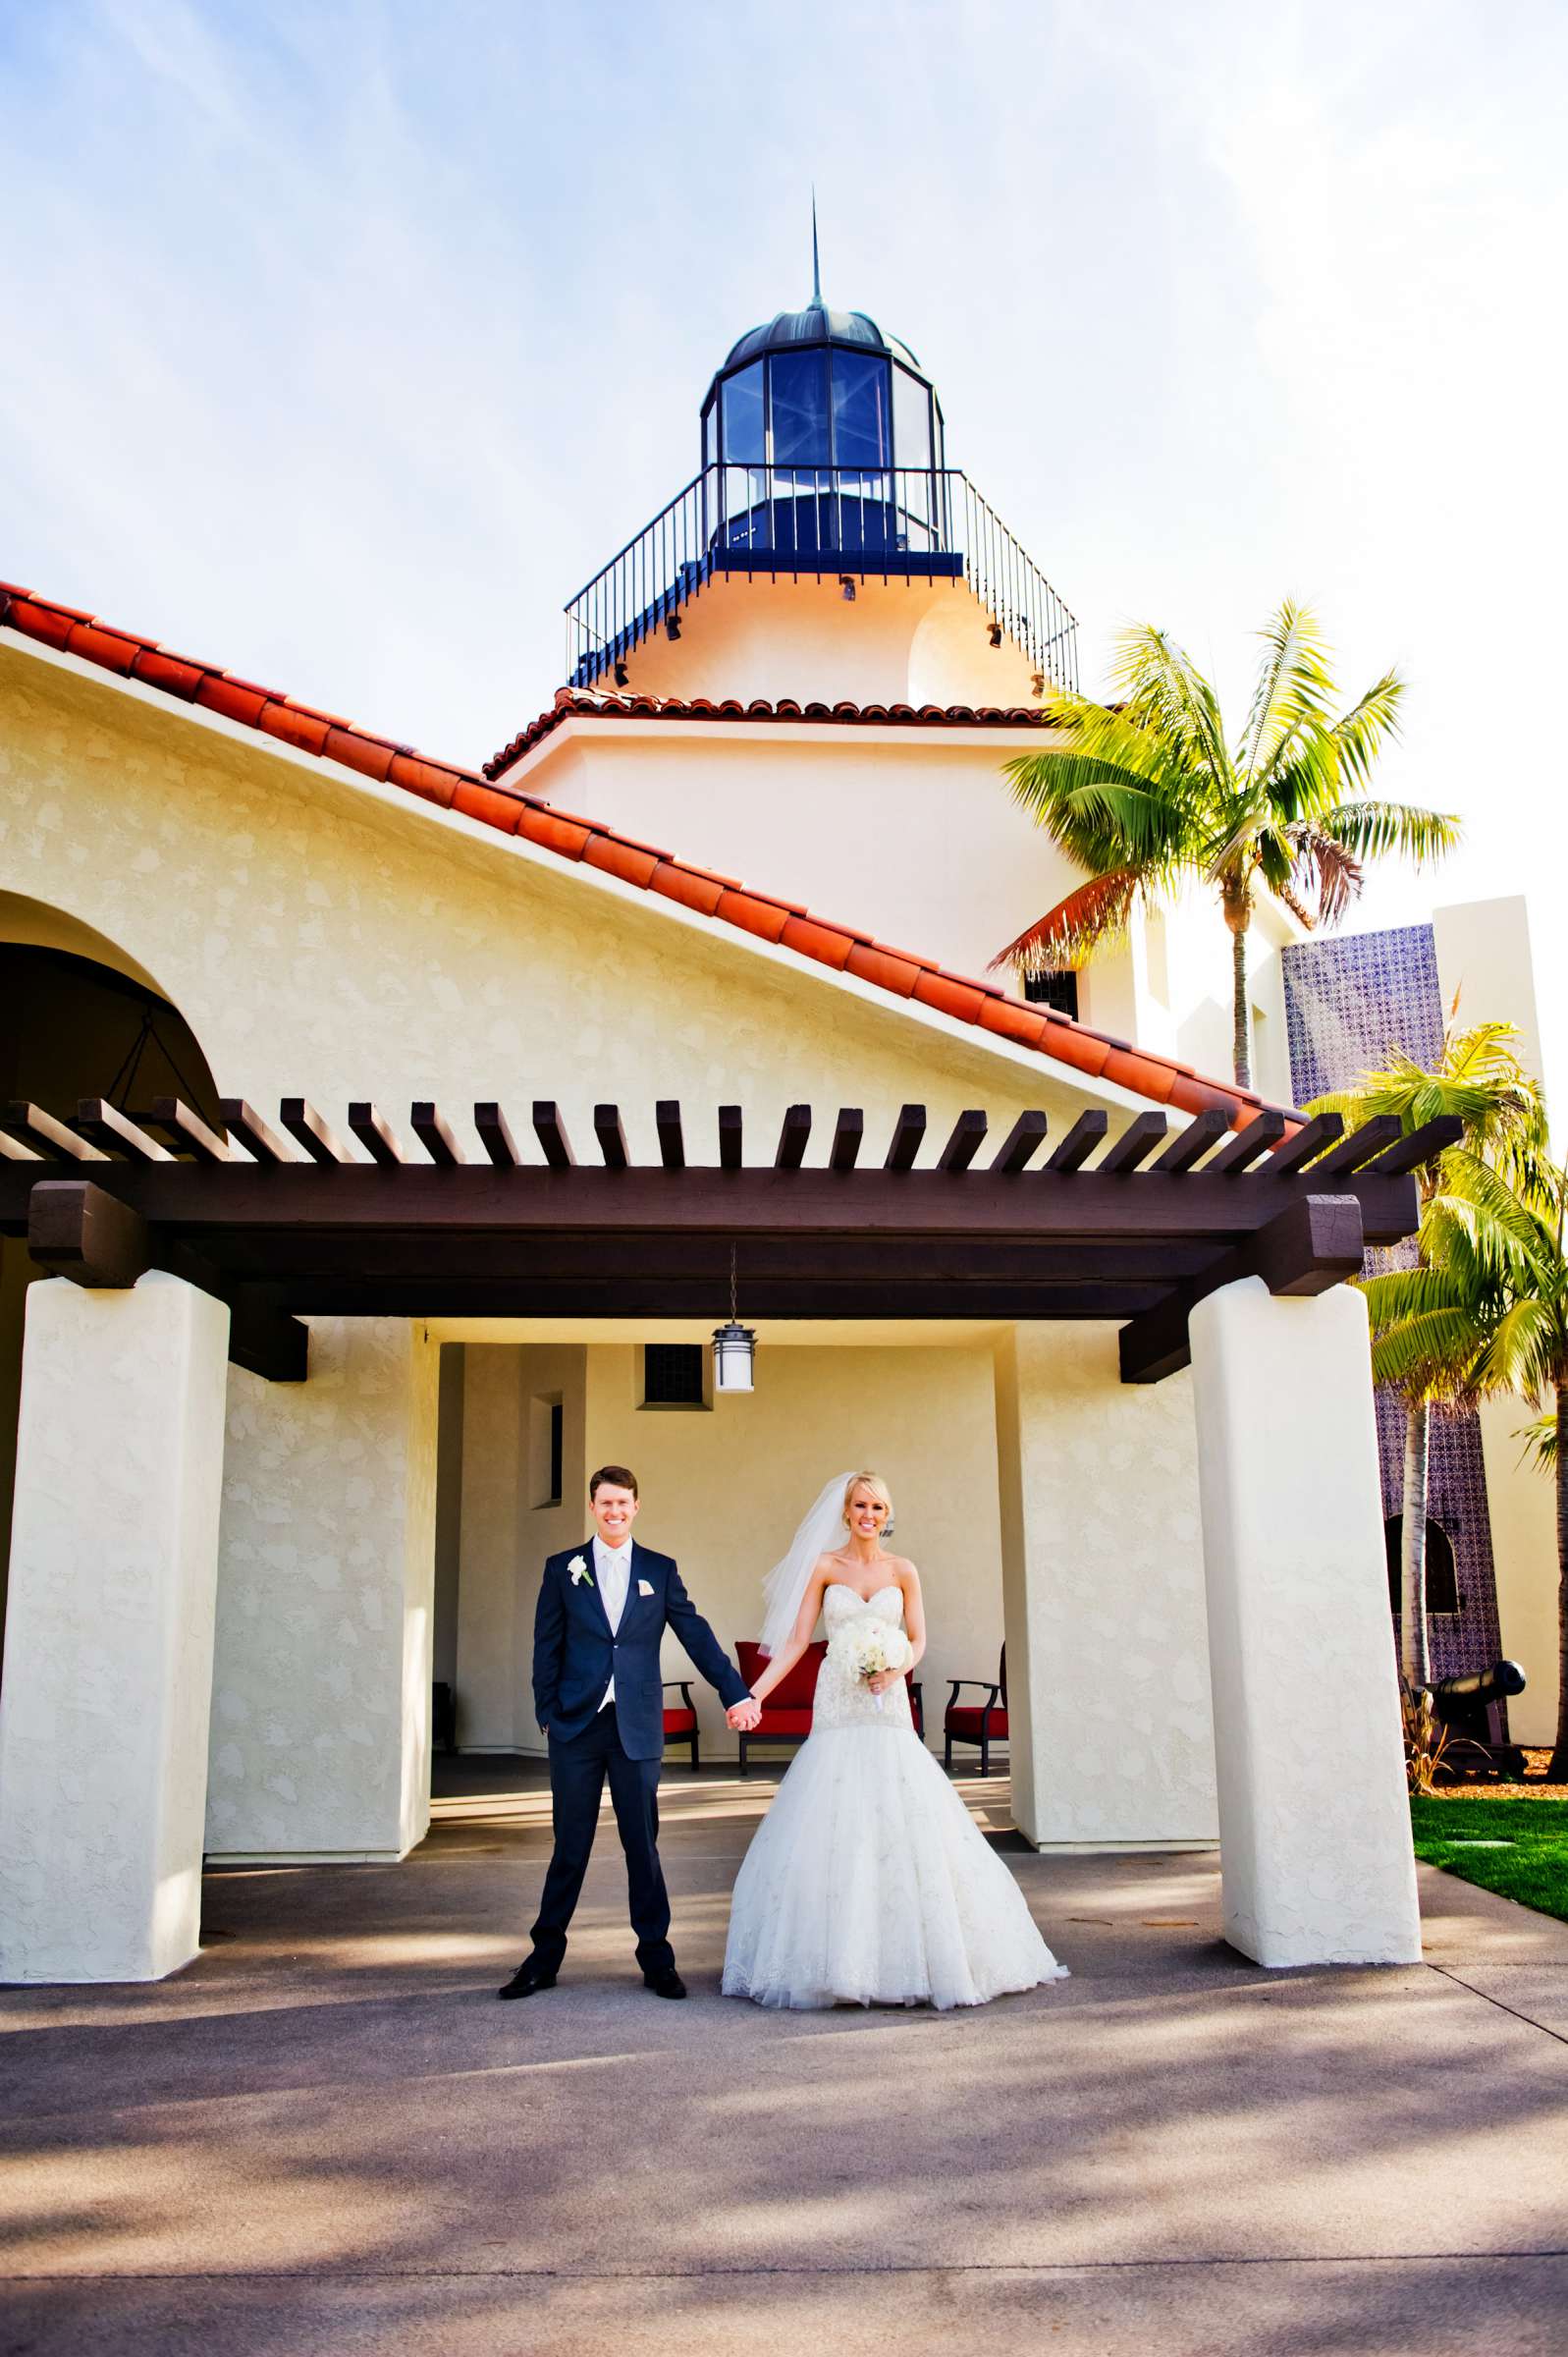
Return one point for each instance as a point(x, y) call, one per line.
point(301, 1223)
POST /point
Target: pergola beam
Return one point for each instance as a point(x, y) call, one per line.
point(276, 1203)
point(1314, 1242)
point(278, 1237)
point(186, 1131)
point(494, 1133)
point(794, 1137)
point(908, 1130)
point(78, 1229)
point(1080, 1141)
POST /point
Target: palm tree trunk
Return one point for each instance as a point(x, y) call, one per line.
point(1414, 1657)
point(1237, 906)
point(1557, 1770)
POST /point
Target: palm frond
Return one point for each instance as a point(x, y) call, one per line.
point(1514, 1221)
point(1372, 829)
point(1395, 1295)
point(1358, 735)
point(1326, 865)
point(1293, 691)
point(1102, 812)
point(1090, 919)
point(1165, 694)
point(1433, 1355)
point(1522, 1351)
point(1540, 1439)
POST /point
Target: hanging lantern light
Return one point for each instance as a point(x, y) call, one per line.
point(735, 1347)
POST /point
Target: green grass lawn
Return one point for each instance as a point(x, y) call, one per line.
point(1534, 1869)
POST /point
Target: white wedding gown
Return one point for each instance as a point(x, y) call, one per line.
point(868, 1883)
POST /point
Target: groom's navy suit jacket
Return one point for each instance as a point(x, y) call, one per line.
point(576, 1653)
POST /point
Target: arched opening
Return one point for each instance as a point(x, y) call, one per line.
point(83, 1020)
point(1442, 1585)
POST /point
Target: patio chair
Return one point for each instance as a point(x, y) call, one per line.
point(680, 1720)
point(787, 1713)
point(984, 1722)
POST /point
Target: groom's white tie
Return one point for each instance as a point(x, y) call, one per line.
point(612, 1568)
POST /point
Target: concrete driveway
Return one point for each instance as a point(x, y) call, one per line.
point(327, 2135)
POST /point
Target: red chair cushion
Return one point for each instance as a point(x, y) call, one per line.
point(965, 1720)
point(793, 1692)
point(680, 1722)
point(784, 1722)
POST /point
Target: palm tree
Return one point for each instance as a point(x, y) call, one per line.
point(1481, 1080)
point(1146, 796)
point(1502, 1272)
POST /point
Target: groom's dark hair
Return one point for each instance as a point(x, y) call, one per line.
point(620, 1477)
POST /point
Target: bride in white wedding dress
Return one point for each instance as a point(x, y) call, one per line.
point(867, 1882)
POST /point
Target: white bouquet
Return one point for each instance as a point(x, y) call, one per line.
point(866, 1646)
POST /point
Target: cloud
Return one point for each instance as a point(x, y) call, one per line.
point(344, 342)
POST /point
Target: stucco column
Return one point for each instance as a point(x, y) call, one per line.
point(321, 1681)
point(108, 1659)
point(492, 1710)
point(1109, 1725)
point(1314, 1823)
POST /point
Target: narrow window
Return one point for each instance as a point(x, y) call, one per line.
point(1060, 991)
point(673, 1375)
point(547, 1422)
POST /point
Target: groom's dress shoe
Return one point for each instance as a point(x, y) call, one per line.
point(664, 1983)
point(529, 1976)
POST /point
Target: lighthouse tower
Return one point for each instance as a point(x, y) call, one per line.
point(817, 658)
point(824, 551)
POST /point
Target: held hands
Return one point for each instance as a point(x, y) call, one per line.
point(882, 1680)
point(744, 1716)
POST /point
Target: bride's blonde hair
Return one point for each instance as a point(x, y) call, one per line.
point(878, 1488)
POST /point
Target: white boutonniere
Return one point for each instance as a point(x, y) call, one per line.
point(579, 1571)
point(645, 1587)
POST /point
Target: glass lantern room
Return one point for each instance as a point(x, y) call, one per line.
point(822, 437)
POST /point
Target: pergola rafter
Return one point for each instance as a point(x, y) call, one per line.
point(283, 1230)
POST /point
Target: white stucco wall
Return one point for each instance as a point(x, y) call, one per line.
point(1487, 966)
point(910, 835)
point(1103, 1545)
point(1521, 1501)
point(903, 641)
point(1314, 1817)
point(109, 1632)
point(342, 940)
point(913, 835)
point(321, 1677)
point(509, 1529)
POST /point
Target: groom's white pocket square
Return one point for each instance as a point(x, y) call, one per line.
point(645, 1587)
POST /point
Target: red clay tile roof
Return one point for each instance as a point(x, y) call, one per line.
point(901, 973)
point(593, 703)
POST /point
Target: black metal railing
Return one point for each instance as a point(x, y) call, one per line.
point(928, 521)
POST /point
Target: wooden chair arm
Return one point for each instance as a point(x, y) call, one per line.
point(683, 1685)
point(981, 1685)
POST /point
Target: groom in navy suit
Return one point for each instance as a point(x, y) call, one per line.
point(599, 1697)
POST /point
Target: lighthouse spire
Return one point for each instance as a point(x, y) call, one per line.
point(816, 266)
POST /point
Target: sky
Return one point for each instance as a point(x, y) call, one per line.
point(340, 344)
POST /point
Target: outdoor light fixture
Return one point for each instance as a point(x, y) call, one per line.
point(735, 1347)
point(621, 675)
point(672, 626)
point(847, 585)
point(1037, 683)
point(995, 634)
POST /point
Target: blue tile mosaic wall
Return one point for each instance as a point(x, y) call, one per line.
point(1348, 1001)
